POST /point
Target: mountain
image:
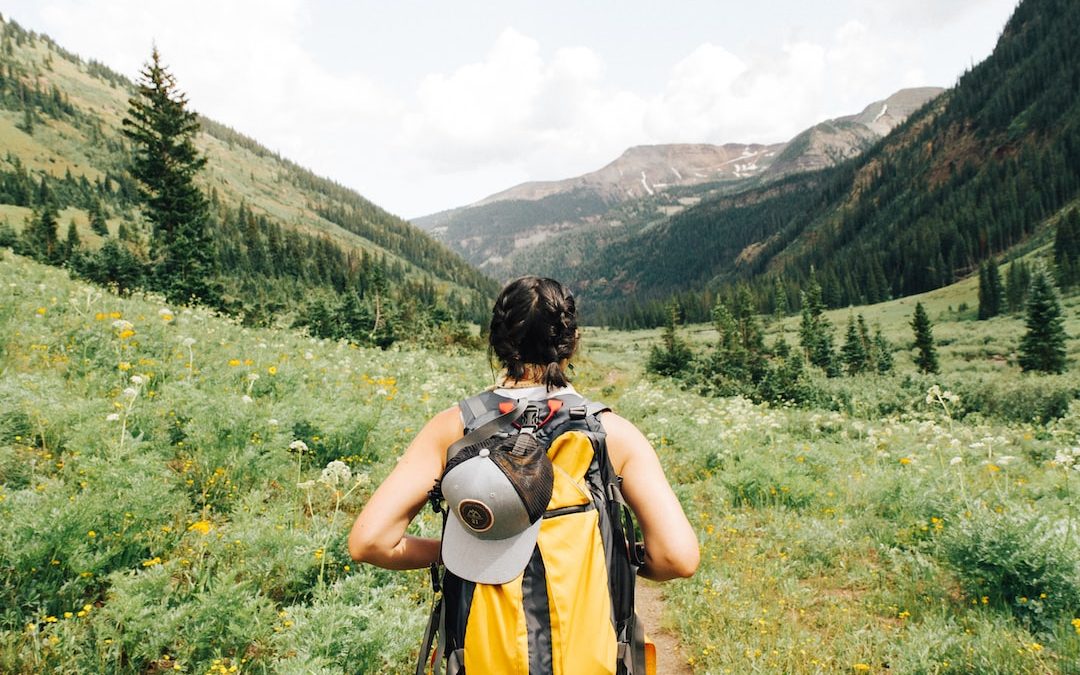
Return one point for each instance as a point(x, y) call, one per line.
point(282, 234)
point(501, 233)
point(984, 170)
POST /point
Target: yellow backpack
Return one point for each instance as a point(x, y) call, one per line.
point(571, 611)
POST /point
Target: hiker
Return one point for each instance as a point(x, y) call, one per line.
point(532, 486)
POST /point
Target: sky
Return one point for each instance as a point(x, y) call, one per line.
point(422, 106)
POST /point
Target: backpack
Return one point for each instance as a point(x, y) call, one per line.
point(571, 611)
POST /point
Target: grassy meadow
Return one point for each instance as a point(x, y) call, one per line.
point(175, 492)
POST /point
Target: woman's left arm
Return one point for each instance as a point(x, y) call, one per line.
point(378, 535)
point(671, 546)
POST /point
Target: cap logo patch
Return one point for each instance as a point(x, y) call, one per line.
point(475, 515)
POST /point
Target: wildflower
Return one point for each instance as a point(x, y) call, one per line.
point(306, 485)
point(112, 417)
point(41, 311)
point(137, 379)
point(200, 526)
point(1076, 625)
point(863, 667)
point(905, 460)
point(253, 376)
point(152, 562)
point(91, 534)
point(234, 362)
point(272, 422)
point(50, 619)
point(246, 399)
point(272, 370)
point(188, 341)
point(336, 473)
point(955, 460)
point(308, 356)
point(298, 446)
point(130, 392)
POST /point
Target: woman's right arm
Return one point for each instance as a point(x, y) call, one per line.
point(378, 535)
point(671, 546)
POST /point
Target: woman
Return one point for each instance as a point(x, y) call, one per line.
point(533, 335)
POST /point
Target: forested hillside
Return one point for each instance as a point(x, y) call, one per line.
point(282, 237)
point(983, 169)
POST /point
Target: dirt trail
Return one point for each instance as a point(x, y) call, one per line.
point(649, 604)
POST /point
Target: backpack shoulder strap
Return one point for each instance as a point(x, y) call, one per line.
point(488, 426)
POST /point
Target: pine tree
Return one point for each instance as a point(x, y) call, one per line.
point(41, 236)
point(72, 242)
point(856, 358)
point(1067, 249)
point(673, 355)
point(815, 331)
point(882, 350)
point(97, 219)
point(165, 163)
point(990, 290)
point(1042, 348)
point(1019, 280)
point(927, 359)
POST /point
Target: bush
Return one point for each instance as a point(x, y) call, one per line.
point(1029, 398)
point(1016, 562)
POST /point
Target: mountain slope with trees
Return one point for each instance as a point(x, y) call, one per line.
point(505, 234)
point(984, 168)
point(280, 236)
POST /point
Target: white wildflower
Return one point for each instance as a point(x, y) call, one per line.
point(298, 446)
point(138, 379)
point(246, 399)
point(272, 422)
point(306, 485)
point(112, 417)
point(336, 473)
point(188, 341)
point(933, 393)
point(130, 392)
point(122, 325)
point(956, 460)
point(308, 356)
point(253, 376)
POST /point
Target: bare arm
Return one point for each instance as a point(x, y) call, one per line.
point(378, 535)
point(671, 546)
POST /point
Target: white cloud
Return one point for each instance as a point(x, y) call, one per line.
point(529, 107)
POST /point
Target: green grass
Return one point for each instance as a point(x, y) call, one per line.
point(151, 517)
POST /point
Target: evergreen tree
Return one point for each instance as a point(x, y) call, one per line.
point(71, 243)
point(991, 293)
point(1067, 249)
point(41, 236)
point(97, 219)
point(815, 331)
point(882, 350)
point(927, 359)
point(1017, 280)
point(854, 352)
point(165, 163)
point(1042, 348)
point(779, 299)
point(672, 356)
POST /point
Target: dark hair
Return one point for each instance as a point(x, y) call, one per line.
point(534, 322)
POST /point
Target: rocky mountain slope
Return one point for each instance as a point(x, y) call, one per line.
point(501, 233)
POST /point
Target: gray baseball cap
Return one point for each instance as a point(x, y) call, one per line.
point(496, 501)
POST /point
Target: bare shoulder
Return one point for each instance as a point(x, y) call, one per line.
point(625, 440)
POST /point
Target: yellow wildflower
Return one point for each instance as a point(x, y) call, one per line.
point(201, 526)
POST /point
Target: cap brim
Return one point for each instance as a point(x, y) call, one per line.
point(495, 561)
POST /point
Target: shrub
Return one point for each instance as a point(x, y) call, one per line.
point(1016, 562)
